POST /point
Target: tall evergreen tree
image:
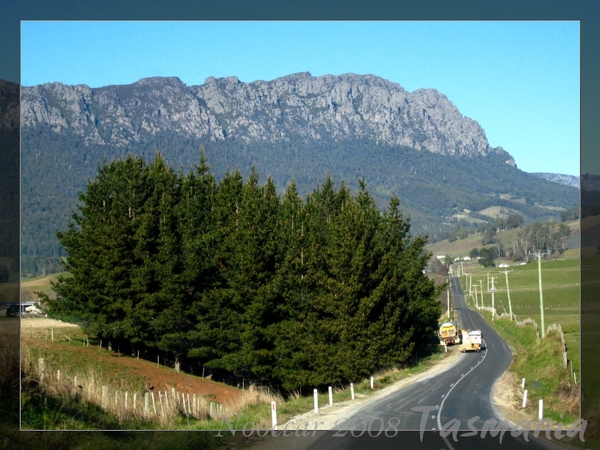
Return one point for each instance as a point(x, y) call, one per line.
point(163, 307)
point(100, 243)
point(216, 333)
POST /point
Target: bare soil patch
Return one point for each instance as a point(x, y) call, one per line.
point(507, 398)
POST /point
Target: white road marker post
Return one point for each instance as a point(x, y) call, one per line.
point(273, 415)
point(316, 395)
point(523, 384)
point(371, 382)
point(524, 398)
point(352, 390)
point(541, 410)
point(330, 396)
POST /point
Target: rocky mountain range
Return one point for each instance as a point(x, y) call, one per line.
point(415, 145)
point(295, 107)
point(568, 180)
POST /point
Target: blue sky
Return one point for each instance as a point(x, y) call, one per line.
point(519, 80)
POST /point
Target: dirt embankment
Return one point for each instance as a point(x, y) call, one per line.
point(158, 377)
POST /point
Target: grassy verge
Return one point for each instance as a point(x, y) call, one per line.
point(53, 401)
point(540, 362)
point(260, 415)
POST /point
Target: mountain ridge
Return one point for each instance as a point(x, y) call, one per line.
point(568, 180)
point(295, 107)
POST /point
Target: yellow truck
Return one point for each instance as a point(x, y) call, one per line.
point(448, 333)
point(471, 341)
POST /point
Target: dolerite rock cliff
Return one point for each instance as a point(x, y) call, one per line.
point(295, 107)
point(567, 180)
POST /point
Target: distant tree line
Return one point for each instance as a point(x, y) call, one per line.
point(290, 291)
point(488, 230)
point(545, 237)
point(570, 214)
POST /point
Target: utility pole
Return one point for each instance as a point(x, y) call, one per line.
point(448, 291)
point(493, 290)
point(508, 292)
point(481, 291)
point(539, 257)
point(475, 290)
point(470, 284)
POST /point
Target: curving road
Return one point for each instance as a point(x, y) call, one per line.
point(461, 396)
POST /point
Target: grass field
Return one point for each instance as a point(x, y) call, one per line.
point(560, 288)
point(31, 286)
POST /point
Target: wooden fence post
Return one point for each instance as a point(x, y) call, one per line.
point(104, 396)
point(41, 368)
point(146, 404)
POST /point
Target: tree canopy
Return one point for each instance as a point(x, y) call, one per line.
point(294, 292)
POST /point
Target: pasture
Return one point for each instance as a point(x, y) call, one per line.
point(560, 289)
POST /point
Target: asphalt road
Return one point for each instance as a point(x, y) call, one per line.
point(459, 398)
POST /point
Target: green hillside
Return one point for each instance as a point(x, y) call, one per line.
point(432, 188)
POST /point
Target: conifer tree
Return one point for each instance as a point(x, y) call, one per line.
point(216, 333)
point(163, 308)
point(100, 244)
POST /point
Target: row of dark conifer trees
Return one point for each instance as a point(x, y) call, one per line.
point(294, 292)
